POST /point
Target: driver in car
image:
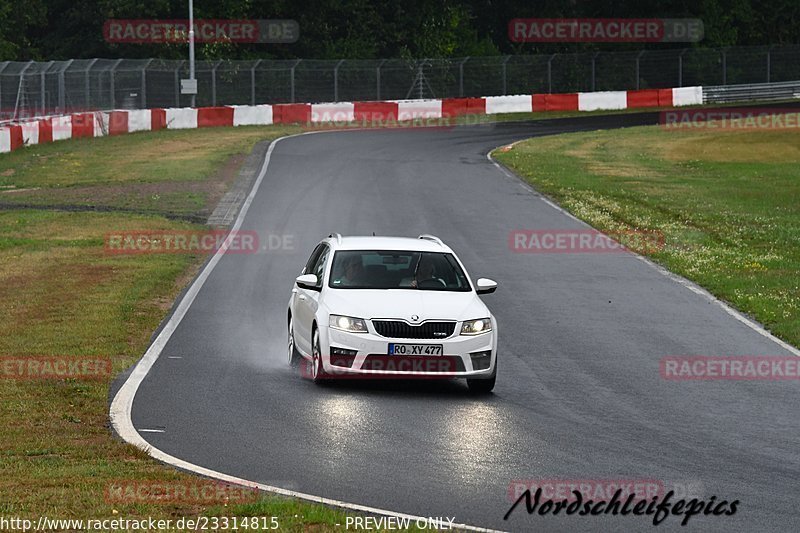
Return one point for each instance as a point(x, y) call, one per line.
point(353, 272)
point(426, 275)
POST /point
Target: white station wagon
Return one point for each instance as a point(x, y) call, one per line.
point(391, 306)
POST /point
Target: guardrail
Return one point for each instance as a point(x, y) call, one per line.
point(371, 113)
point(763, 92)
point(389, 113)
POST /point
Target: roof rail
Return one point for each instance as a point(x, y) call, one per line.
point(433, 238)
point(337, 236)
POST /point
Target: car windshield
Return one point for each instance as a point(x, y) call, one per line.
point(390, 269)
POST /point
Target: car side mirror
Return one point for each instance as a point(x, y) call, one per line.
point(307, 281)
point(485, 286)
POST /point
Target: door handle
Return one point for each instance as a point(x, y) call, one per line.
point(302, 296)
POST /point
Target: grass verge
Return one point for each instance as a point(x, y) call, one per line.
point(725, 201)
point(172, 172)
point(62, 295)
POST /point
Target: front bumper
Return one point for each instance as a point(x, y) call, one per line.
point(367, 354)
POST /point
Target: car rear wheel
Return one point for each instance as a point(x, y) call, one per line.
point(483, 386)
point(291, 350)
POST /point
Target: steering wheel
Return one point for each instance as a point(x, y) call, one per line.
point(432, 283)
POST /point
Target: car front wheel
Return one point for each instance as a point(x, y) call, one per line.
point(317, 370)
point(291, 350)
point(483, 386)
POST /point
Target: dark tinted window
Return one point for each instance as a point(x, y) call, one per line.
point(309, 268)
point(395, 269)
point(319, 267)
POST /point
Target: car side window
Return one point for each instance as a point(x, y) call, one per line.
point(309, 268)
point(319, 266)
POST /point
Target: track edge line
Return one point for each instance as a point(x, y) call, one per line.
point(685, 282)
point(122, 404)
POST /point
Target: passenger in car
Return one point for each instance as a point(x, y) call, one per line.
point(353, 274)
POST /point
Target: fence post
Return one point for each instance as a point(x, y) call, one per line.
point(62, 87)
point(253, 82)
point(5, 64)
point(144, 83)
point(214, 83)
point(87, 87)
point(680, 67)
point(378, 80)
point(594, 57)
point(461, 77)
point(112, 84)
point(638, 57)
point(336, 80)
point(20, 87)
point(505, 76)
point(176, 74)
point(42, 98)
point(550, 74)
point(292, 83)
point(422, 80)
point(724, 67)
point(769, 63)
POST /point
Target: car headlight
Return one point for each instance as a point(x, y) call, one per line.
point(348, 323)
point(476, 327)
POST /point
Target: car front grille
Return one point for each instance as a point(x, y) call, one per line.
point(397, 329)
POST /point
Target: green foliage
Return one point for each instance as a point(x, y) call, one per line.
point(18, 28)
point(61, 29)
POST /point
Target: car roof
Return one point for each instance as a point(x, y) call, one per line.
point(429, 244)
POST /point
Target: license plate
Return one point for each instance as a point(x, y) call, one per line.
point(415, 349)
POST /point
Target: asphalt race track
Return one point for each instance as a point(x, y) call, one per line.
point(578, 396)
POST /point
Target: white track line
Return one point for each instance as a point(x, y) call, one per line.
point(121, 406)
point(120, 411)
point(755, 326)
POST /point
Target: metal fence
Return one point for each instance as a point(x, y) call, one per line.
point(763, 92)
point(37, 88)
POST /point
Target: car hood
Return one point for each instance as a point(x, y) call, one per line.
point(403, 303)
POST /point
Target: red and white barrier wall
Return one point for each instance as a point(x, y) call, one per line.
point(101, 123)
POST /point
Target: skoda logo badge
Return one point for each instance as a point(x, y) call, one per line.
point(414, 318)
